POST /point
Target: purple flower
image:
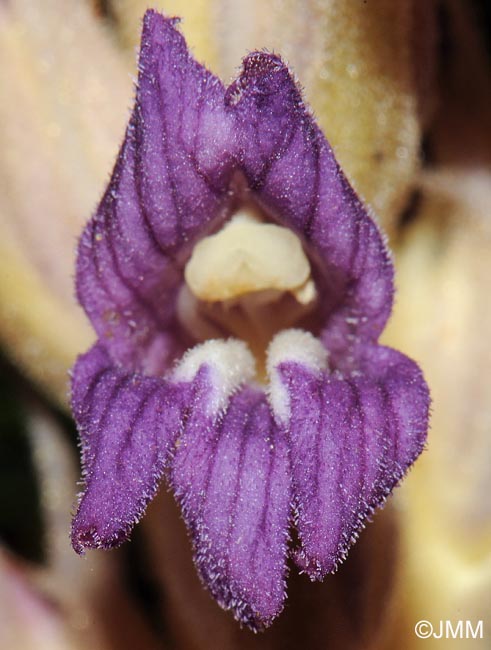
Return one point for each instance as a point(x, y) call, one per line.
point(320, 436)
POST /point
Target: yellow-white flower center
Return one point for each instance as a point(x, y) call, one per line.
point(247, 256)
point(250, 280)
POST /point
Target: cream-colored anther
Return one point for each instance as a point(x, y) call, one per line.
point(248, 256)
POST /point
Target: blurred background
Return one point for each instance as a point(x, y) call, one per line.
point(403, 92)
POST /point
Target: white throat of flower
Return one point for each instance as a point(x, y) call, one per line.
point(250, 280)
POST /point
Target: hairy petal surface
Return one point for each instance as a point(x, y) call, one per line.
point(342, 419)
point(127, 425)
point(231, 476)
point(352, 439)
point(167, 187)
point(292, 170)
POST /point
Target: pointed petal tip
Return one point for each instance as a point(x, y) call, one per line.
point(317, 568)
point(88, 537)
point(153, 19)
point(259, 63)
point(261, 74)
point(256, 618)
point(158, 28)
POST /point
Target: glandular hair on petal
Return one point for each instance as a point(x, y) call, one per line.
point(230, 363)
point(295, 346)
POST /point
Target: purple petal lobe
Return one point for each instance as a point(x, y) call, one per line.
point(231, 476)
point(352, 439)
point(169, 183)
point(294, 174)
point(342, 418)
point(127, 425)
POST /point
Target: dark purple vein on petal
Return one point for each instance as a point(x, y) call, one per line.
point(141, 408)
point(120, 386)
point(245, 439)
point(260, 529)
point(313, 209)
